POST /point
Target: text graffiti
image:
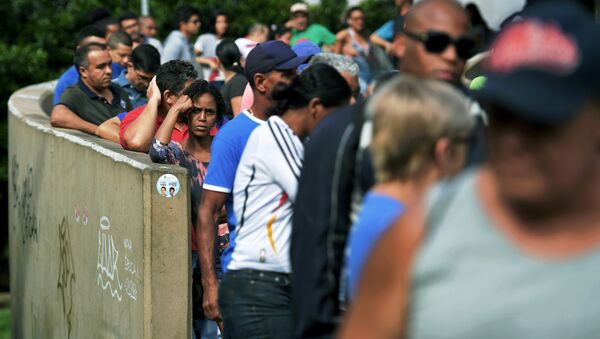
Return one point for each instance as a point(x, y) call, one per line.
point(108, 255)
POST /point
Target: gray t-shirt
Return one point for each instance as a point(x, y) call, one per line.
point(178, 47)
point(470, 281)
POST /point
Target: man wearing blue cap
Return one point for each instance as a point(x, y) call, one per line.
point(268, 64)
point(510, 250)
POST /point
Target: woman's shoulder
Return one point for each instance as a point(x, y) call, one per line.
point(343, 34)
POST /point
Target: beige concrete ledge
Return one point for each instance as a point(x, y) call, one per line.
point(95, 250)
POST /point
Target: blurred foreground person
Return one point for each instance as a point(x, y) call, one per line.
point(510, 250)
point(255, 295)
point(420, 129)
point(337, 169)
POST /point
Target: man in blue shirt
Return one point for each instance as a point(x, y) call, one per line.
point(384, 35)
point(143, 64)
point(268, 64)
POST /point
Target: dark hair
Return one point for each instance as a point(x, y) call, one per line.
point(104, 23)
point(88, 31)
point(277, 31)
point(119, 37)
point(475, 15)
point(184, 13)
point(127, 16)
point(81, 54)
point(145, 57)
point(353, 9)
point(317, 81)
point(229, 55)
point(173, 75)
point(212, 22)
point(198, 88)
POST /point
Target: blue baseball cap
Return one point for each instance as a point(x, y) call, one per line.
point(271, 56)
point(544, 67)
point(306, 48)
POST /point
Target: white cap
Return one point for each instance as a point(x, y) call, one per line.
point(299, 7)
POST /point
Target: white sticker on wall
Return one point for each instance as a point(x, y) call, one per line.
point(167, 185)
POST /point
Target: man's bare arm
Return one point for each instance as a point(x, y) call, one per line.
point(63, 117)
point(109, 129)
point(211, 205)
point(140, 132)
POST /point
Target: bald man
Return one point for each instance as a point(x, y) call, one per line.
point(434, 42)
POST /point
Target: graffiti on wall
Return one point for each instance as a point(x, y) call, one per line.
point(108, 255)
point(109, 273)
point(66, 273)
point(23, 189)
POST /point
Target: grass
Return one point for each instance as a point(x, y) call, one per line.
point(5, 323)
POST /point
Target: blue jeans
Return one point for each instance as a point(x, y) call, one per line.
point(201, 328)
point(256, 304)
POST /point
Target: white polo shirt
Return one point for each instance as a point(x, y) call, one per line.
point(264, 191)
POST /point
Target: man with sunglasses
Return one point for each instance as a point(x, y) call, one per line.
point(143, 64)
point(434, 42)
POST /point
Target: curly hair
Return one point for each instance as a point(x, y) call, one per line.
point(198, 88)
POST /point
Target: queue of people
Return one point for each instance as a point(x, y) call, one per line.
point(329, 200)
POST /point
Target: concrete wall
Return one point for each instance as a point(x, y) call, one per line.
point(95, 250)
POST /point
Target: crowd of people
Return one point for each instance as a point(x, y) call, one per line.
point(357, 184)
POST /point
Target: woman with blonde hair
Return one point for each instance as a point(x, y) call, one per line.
point(420, 129)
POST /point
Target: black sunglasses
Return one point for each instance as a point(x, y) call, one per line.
point(437, 42)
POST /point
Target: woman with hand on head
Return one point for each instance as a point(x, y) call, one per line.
point(201, 107)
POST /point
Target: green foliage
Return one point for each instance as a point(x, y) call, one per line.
point(5, 323)
point(377, 12)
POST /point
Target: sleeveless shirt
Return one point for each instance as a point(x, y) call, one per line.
point(470, 281)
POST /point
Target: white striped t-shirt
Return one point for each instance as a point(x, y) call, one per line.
point(265, 189)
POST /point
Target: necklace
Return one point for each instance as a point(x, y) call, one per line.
point(250, 111)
